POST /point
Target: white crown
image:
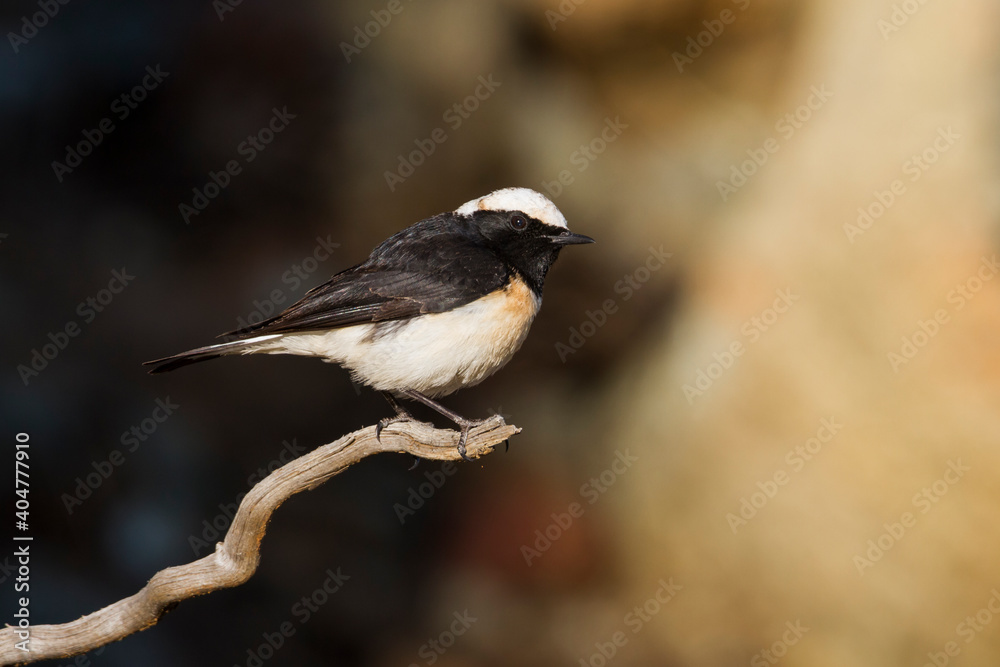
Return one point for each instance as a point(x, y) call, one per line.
point(528, 201)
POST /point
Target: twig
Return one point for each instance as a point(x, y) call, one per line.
point(236, 558)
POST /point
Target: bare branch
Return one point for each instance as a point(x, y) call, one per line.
point(236, 558)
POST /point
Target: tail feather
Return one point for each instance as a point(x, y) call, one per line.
point(176, 361)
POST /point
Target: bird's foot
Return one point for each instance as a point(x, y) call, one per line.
point(467, 425)
point(402, 417)
point(390, 420)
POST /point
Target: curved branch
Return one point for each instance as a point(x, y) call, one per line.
point(236, 558)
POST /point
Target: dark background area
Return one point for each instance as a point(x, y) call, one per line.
point(321, 178)
point(565, 72)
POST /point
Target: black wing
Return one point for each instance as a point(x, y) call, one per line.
point(432, 267)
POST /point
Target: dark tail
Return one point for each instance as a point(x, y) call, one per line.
point(201, 354)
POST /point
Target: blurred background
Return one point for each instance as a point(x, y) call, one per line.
point(760, 417)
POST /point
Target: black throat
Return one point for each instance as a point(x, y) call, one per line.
point(533, 267)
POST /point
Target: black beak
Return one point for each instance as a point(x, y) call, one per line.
point(569, 238)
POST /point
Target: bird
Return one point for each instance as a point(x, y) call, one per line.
point(437, 307)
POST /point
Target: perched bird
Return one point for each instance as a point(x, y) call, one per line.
point(439, 306)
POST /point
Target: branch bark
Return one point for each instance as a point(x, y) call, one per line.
point(235, 559)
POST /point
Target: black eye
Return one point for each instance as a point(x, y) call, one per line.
point(518, 222)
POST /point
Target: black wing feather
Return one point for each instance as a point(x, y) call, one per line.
point(432, 267)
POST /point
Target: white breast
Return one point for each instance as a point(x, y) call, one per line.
point(434, 354)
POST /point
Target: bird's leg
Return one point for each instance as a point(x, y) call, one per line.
point(401, 415)
point(464, 424)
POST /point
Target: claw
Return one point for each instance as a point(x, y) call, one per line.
point(463, 423)
point(462, 439)
point(401, 416)
point(380, 426)
point(506, 446)
point(416, 462)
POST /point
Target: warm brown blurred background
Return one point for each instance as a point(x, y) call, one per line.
point(776, 445)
